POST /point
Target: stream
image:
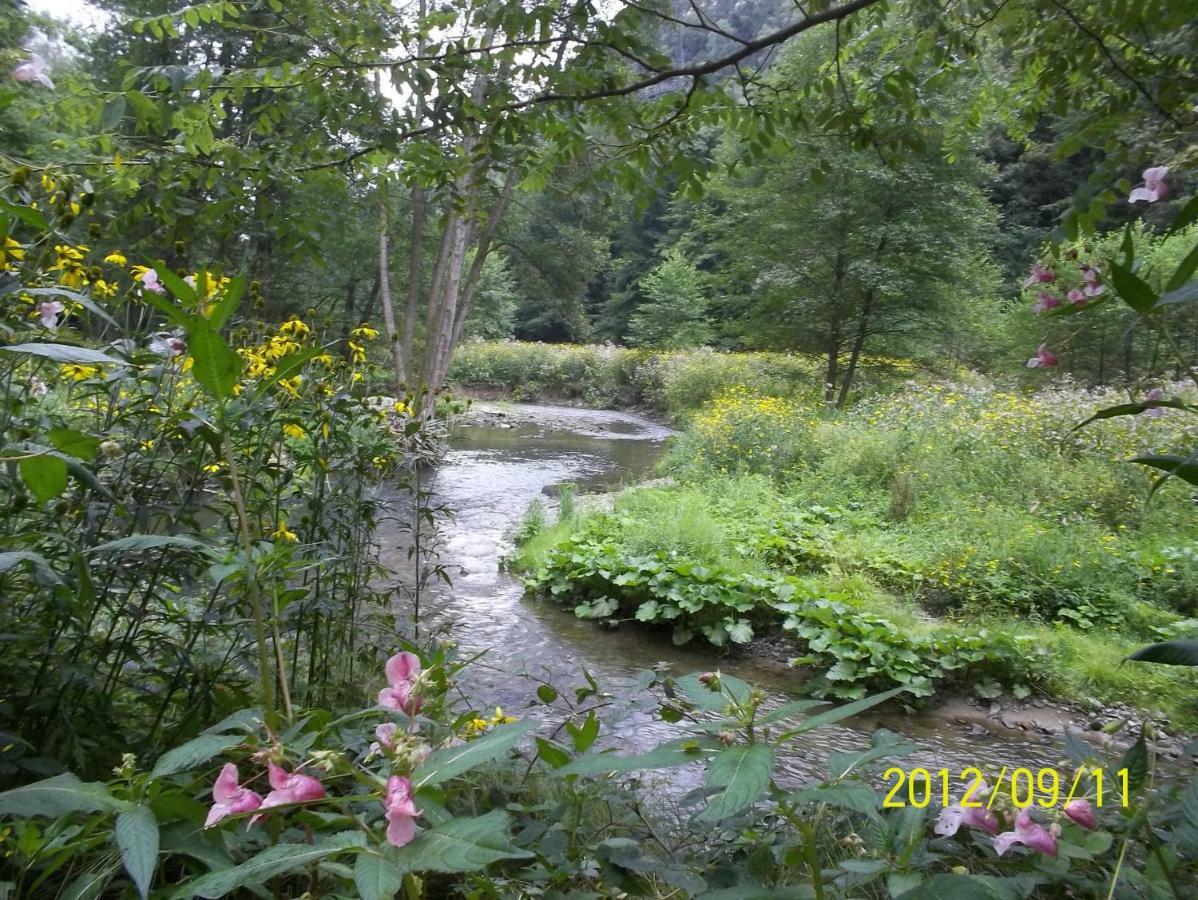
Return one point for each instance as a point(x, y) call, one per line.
point(498, 462)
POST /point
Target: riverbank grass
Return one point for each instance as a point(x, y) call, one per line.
point(941, 537)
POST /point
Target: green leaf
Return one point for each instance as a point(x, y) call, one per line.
point(841, 712)
point(271, 862)
point(850, 795)
point(137, 839)
point(1131, 289)
point(112, 112)
point(756, 892)
point(966, 887)
point(1130, 409)
point(41, 567)
point(546, 693)
point(194, 752)
point(1180, 652)
point(65, 353)
point(744, 773)
point(376, 877)
point(148, 542)
point(221, 312)
point(1135, 761)
point(1187, 293)
point(176, 285)
point(46, 476)
point(461, 845)
point(441, 765)
point(76, 443)
point(1183, 271)
point(217, 367)
point(289, 365)
point(1188, 214)
point(89, 885)
point(584, 735)
point(675, 753)
point(1182, 467)
point(29, 216)
point(58, 796)
point(554, 755)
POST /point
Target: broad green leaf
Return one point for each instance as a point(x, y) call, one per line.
point(1132, 289)
point(1182, 273)
point(841, 712)
point(65, 353)
point(1182, 467)
point(1135, 761)
point(752, 892)
point(376, 877)
point(41, 567)
point(58, 796)
point(461, 845)
point(89, 885)
point(713, 701)
point(271, 862)
point(221, 312)
point(449, 762)
point(46, 476)
point(1188, 214)
point(850, 795)
point(137, 839)
point(148, 542)
point(194, 752)
point(675, 753)
point(1179, 652)
point(176, 285)
point(289, 365)
point(167, 307)
point(73, 442)
point(1187, 293)
point(788, 709)
point(968, 887)
point(584, 735)
point(216, 366)
point(29, 216)
point(1130, 409)
point(744, 773)
point(112, 112)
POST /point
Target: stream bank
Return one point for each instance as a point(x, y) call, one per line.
point(500, 458)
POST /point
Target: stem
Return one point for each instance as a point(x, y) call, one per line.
point(247, 547)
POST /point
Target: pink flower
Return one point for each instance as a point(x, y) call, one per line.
point(168, 345)
point(1093, 287)
point(34, 70)
point(47, 313)
point(953, 817)
point(1081, 811)
point(401, 811)
point(1045, 300)
point(1154, 186)
point(230, 797)
point(290, 787)
point(150, 282)
point(1076, 297)
point(1039, 275)
point(1154, 412)
point(403, 669)
point(1042, 359)
point(1031, 835)
point(386, 738)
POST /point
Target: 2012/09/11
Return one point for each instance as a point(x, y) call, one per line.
point(1026, 788)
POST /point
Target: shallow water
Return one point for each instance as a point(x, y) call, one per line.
point(489, 477)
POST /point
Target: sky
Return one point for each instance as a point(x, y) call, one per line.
point(77, 11)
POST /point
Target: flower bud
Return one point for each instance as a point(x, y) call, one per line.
point(727, 738)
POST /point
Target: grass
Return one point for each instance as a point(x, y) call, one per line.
point(942, 511)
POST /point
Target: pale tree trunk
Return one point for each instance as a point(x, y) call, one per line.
point(855, 353)
point(397, 358)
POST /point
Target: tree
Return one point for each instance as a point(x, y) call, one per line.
point(675, 315)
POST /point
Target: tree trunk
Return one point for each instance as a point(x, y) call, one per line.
point(855, 354)
point(385, 295)
point(832, 371)
point(350, 301)
point(415, 274)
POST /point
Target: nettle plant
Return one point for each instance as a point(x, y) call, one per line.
point(1089, 284)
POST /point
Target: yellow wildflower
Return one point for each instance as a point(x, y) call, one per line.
point(500, 718)
point(357, 353)
point(400, 407)
point(293, 431)
point(213, 468)
point(10, 249)
point(364, 332)
point(116, 258)
point(282, 533)
point(77, 372)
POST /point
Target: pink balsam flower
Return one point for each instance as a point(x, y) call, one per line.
point(150, 282)
point(1154, 187)
point(1154, 412)
point(230, 797)
point(1082, 812)
point(290, 787)
point(401, 811)
point(1030, 834)
point(403, 670)
point(1044, 301)
point(1040, 275)
point(34, 70)
point(1093, 287)
point(48, 312)
point(1076, 297)
point(167, 345)
point(1043, 358)
point(953, 817)
point(386, 738)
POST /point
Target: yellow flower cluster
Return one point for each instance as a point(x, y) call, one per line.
point(478, 725)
